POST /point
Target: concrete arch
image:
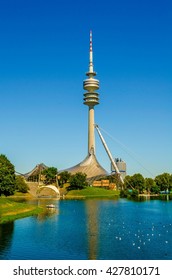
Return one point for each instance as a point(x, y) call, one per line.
point(49, 187)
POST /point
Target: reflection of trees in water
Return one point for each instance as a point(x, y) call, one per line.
point(48, 212)
point(93, 227)
point(6, 234)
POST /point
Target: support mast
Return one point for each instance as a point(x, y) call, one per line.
point(109, 154)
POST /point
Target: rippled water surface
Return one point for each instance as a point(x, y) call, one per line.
point(92, 229)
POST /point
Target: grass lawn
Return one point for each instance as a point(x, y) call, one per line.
point(11, 210)
point(91, 192)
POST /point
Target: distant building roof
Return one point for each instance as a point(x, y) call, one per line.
point(36, 171)
point(90, 166)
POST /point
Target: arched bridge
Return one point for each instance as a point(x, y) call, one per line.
point(51, 187)
point(35, 187)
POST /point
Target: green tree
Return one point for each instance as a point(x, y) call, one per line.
point(128, 182)
point(164, 181)
point(64, 177)
point(170, 182)
point(134, 193)
point(155, 189)
point(149, 184)
point(7, 177)
point(138, 182)
point(50, 175)
point(21, 185)
point(135, 182)
point(124, 193)
point(78, 181)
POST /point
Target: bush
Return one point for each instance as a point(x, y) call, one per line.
point(78, 181)
point(134, 193)
point(124, 193)
point(21, 185)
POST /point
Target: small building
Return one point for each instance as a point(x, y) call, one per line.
point(121, 166)
point(104, 184)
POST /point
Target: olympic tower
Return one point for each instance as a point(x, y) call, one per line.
point(90, 164)
point(91, 98)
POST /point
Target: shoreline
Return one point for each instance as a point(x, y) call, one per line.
point(146, 195)
point(12, 210)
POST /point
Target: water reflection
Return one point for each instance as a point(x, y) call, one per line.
point(48, 212)
point(92, 229)
point(6, 235)
point(92, 216)
point(165, 197)
point(94, 220)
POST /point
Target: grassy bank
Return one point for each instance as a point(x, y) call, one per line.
point(89, 192)
point(11, 210)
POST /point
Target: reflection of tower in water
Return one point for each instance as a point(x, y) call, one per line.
point(92, 211)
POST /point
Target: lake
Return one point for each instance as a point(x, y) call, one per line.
point(99, 229)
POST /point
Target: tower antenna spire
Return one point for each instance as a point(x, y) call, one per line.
point(90, 40)
point(91, 54)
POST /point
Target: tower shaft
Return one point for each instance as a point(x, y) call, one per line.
point(91, 137)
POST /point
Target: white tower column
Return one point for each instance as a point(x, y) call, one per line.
point(91, 136)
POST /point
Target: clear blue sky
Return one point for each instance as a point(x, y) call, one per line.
point(43, 59)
